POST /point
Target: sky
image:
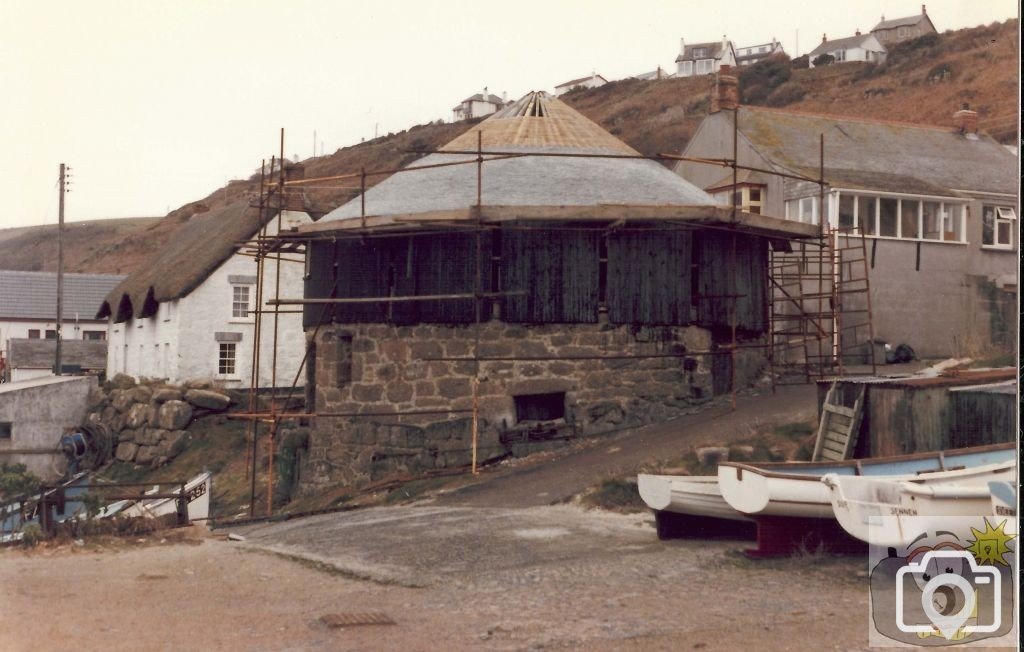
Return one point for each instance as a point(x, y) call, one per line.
point(156, 104)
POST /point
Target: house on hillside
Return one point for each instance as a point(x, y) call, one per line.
point(593, 81)
point(653, 75)
point(704, 58)
point(937, 206)
point(28, 307)
point(565, 295)
point(890, 32)
point(751, 54)
point(190, 313)
point(859, 47)
point(478, 106)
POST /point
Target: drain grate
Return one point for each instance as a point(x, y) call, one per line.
point(356, 619)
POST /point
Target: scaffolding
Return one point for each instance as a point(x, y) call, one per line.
point(810, 282)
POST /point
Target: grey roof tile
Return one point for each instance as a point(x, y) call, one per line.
point(33, 295)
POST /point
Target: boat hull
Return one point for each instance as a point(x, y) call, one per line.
point(690, 495)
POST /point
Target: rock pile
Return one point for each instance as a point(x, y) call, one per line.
point(150, 418)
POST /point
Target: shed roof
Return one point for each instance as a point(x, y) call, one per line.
point(33, 295)
point(41, 354)
point(881, 155)
point(195, 250)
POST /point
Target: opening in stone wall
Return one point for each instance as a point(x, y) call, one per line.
point(540, 407)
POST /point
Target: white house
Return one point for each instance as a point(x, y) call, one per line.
point(593, 81)
point(704, 58)
point(191, 312)
point(479, 105)
point(28, 307)
point(859, 47)
point(751, 54)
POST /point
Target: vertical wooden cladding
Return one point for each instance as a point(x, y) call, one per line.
point(559, 270)
point(400, 266)
point(980, 417)
point(649, 277)
point(717, 294)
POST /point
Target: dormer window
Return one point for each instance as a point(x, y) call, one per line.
point(700, 52)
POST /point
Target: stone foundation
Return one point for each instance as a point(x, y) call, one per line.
point(378, 368)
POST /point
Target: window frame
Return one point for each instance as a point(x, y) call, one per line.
point(998, 217)
point(249, 307)
point(941, 204)
point(223, 359)
point(686, 69)
point(707, 64)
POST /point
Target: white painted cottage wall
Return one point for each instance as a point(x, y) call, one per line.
point(180, 342)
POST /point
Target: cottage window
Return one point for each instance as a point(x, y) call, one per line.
point(840, 55)
point(867, 214)
point(763, 49)
point(952, 223)
point(33, 333)
point(704, 66)
point(887, 219)
point(930, 219)
point(910, 222)
point(700, 52)
point(240, 301)
point(847, 212)
point(226, 358)
point(903, 32)
point(94, 335)
point(997, 226)
point(686, 68)
point(5, 429)
point(903, 218)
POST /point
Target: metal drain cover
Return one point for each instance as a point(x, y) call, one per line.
point(356, 619)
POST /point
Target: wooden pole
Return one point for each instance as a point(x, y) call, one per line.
point(58, 363)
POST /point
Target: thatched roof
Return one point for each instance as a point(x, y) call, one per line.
point(876, 154)
point(537, 123)
point(196, 249)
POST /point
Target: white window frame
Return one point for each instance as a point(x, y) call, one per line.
point(227, 354)
point(705, 66)
point(839, 55)
point(250, 297)
point(686, 68)
point(942, 202)
point(1000, 215)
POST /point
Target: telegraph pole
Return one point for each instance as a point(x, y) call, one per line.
point(60, 267)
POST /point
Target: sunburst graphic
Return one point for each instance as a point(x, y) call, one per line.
point(989, 545)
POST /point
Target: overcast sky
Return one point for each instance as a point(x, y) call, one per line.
point(155, 104)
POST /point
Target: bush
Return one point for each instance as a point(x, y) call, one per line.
point(788, 94)
point(759, 80)
point(803, 61)
point(823, 60)
point(15, 479)
point(940, 72)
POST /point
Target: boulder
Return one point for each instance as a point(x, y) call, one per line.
point(164, 394)
point(199, 383)
point(96, 399)
point(149, 436)
point(137, 415)
point(120, 381)
point(741, 452)
point(174, 415)
point(712, 455)
point(208, 399)
point(127, 435)
point(121, 399)
point(126, 451)
point(141, 394)
point(145, 454)
point(167, 444)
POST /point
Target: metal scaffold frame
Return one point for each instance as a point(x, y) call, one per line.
point(805, 293)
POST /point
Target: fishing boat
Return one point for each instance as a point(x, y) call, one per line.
point(793, 508)
point(1004, 497)
point(690, 506)
point(895, 511)
point(197, 491)
point(795, 488)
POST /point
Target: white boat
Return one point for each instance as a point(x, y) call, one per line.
point(197, 489)
point(794, 489)
point(1004, 497)
point(681, 494)
point(895, 511)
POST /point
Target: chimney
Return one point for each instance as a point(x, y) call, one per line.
point(857, 33)
point(682, 46)
point(504, 97)
point(295, 196)
point(924, 10)
point(965, 120)
point(824, 38)
point(727, 92)
point(486, 94)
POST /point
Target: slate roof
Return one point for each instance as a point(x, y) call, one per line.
point(880, 155)
point(908, 21)
point(714, 51)
point(41, 354)
point(841, 44)
point(33, 295)
point(479, 97)
point(536, 123)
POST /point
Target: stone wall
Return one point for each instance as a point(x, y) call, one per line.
point(150, 418)
point(376, 368)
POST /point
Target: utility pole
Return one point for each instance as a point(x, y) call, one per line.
point(60, 267)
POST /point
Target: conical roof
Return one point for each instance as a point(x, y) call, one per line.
point(538, 124)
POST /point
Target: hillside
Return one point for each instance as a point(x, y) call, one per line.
point(923, 81)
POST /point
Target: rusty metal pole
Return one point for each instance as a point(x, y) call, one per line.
point(258, 334)
point(249, 427)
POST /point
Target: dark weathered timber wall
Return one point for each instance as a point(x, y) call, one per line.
point(981, 417)
point(649, 277)
point(558, 269)
point(715, 265)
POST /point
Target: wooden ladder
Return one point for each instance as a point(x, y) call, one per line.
point(837, 432)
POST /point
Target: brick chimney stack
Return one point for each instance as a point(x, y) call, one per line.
point(857, 33)
point(924, 10)
point(727, 91)
point(294, 196)
point(824, 38)
point(965, 120)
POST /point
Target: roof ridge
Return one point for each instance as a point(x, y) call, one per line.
point(832, 116)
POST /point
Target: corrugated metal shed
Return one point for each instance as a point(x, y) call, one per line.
point(33, 295)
